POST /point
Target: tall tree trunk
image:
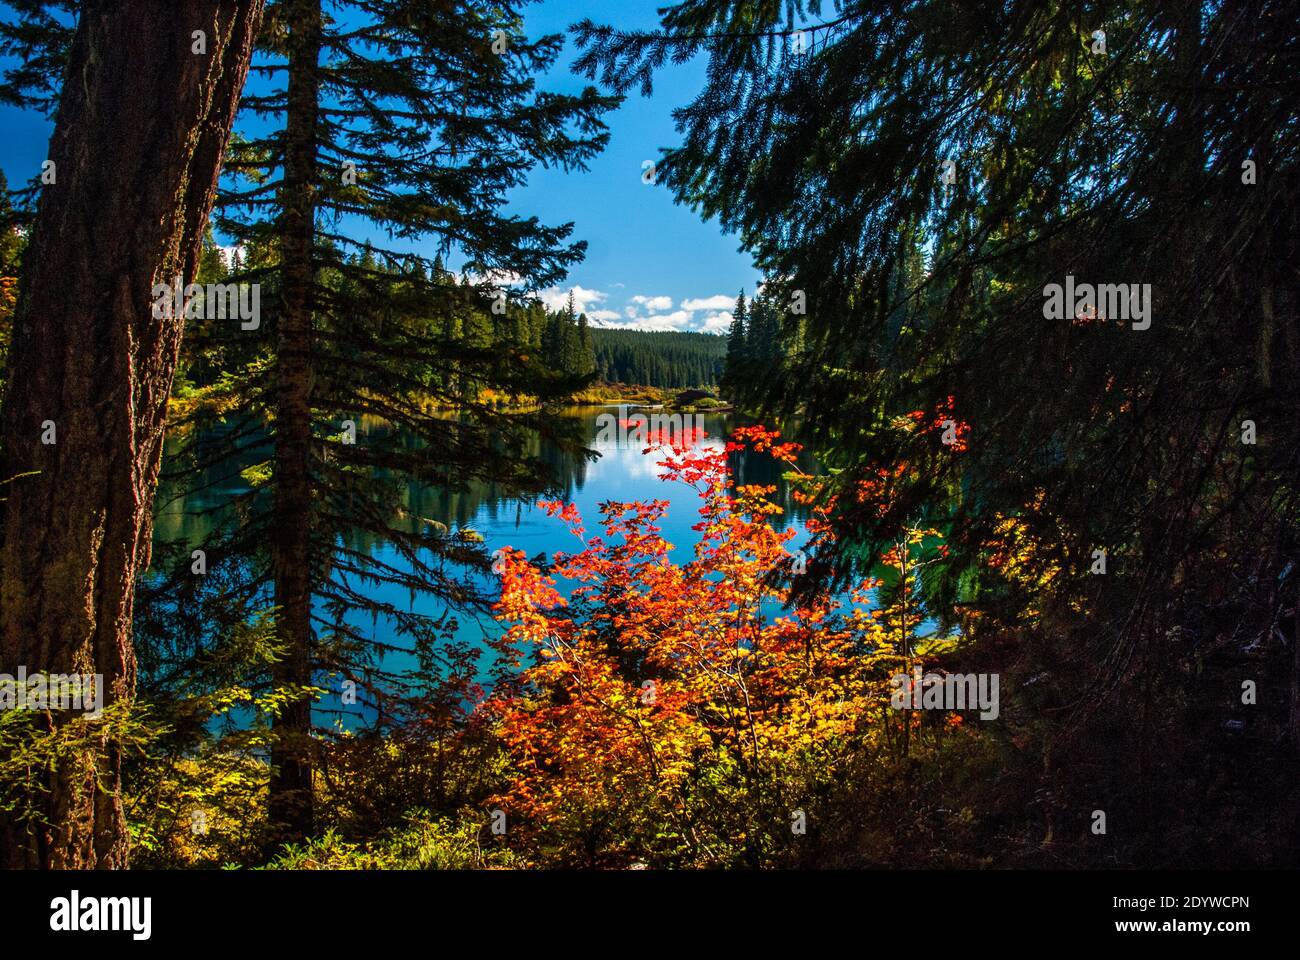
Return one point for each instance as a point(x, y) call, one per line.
point(137, 147)
point(291, 779)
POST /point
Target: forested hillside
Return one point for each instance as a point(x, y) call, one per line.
point(655, 359)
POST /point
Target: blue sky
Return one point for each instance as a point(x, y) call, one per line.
point(650, 263)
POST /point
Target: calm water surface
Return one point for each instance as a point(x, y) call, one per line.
point(620, 472)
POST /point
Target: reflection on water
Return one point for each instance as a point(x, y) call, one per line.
point(190, 512)
point(621, 471)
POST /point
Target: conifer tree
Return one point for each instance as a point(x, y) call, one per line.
point(415, 120)
point(587, 349)
point(736, 354)
point(1055, 147)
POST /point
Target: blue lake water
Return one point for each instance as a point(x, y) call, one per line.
point(620, 471)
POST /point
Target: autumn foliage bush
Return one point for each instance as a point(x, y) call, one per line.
point(693, 714)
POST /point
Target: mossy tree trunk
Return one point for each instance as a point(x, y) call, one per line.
point(142, 125)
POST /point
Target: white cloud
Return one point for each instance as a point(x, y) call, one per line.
point(652, 303)
point(717, 322)
point(677, 320)
point(718, 302)
point(557, 298)
point(646, 312)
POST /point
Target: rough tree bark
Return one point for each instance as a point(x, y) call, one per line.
point(290, 803)
point(142, 125)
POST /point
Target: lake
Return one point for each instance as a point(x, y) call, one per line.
point(620, 471)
